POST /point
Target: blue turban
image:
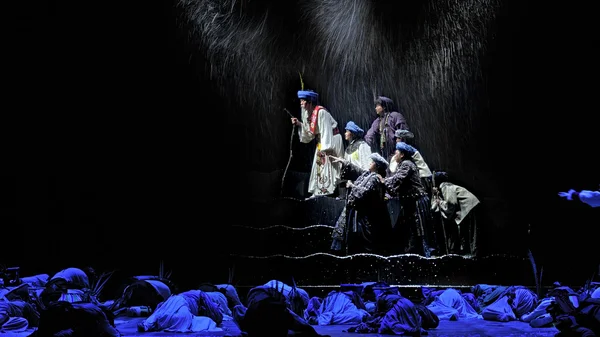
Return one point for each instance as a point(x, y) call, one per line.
point(308, 95)
point(403, 147)
point(379, 160)
point(404, 134)
point(355, 129)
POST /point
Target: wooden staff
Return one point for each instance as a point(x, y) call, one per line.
point(291, 153)
point(441, 217)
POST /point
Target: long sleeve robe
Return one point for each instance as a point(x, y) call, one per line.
point(424, 170)
point(406, 189)
point(367, 222)
point(358, 153)
point(323, 177)
point(405, 183)
point(392, 121)
point(457, 202)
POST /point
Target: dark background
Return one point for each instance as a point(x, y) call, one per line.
point(115, 152)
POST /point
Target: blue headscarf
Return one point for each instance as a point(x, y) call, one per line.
point(355, 129)
point(379, 160)
point(308, 95)
point(405, 148)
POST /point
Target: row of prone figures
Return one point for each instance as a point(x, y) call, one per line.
point(65, 305)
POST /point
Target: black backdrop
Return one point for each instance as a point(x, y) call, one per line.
point(110, 147)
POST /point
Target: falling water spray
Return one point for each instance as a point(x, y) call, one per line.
point(425, 56)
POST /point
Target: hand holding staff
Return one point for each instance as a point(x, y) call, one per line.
point(295, 120)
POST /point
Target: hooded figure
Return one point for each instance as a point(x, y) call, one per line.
point(381, 135)
point(318, 124)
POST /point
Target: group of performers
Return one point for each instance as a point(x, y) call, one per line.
point(390, 190)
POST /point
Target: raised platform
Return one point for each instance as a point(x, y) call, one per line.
point(290, 238)
point(299, 247)
point(328, 269)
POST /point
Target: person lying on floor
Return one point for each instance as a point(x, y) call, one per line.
point(219, 298)
point(190, 311)
point(540, 317)
point(343, 306)
point(449, 304)
point(142, 292)
point(16, 313)
point(39, 280)
point(61, 318)
point(570, 320)
point(397, 315)
point(297, 298)
point(268, 315)
point(595, 293)
point(230, 292)
point(511, 303)
point(352, 303)
point(71, 285)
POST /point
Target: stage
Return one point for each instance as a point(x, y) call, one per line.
point(477, 327)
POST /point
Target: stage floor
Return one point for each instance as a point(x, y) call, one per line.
point(466, 328)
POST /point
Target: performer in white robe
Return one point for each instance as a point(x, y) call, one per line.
point(358, 151)
point(318, 124)
point(424, 171)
